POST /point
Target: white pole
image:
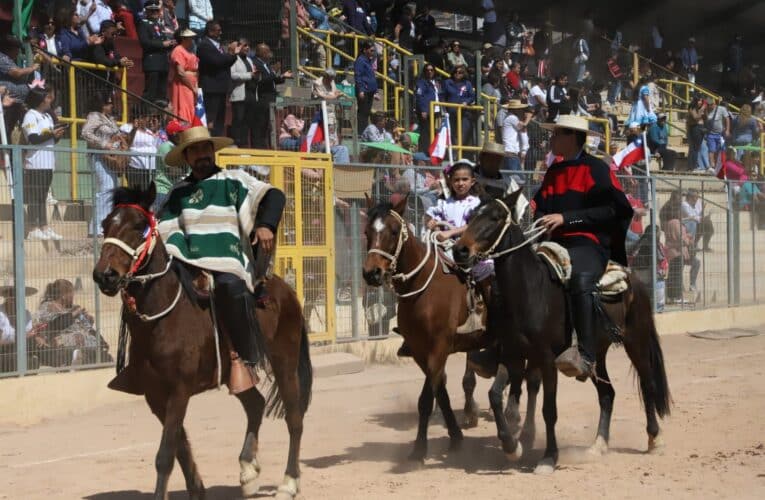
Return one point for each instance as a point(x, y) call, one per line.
point(6, 156)
point(647, 153)
point(326, 127)
point(449, 133)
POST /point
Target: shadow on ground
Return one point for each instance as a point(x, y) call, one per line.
point(212, 493)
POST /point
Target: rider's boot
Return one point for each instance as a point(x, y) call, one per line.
point(237, 307)
point(474, 322)
point(579, 361)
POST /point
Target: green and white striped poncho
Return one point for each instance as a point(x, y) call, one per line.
point(207, 223)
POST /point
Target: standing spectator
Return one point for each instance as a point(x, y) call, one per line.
point(184, 76)
point(538, 99)
point(617, 79)
point(717, 121)
point(424, 28)
point(99, 132)
point(459, 90)
point(156, 46)
point(302, 19)
point(513, 127)
point(677, 241)
point(40, 130)
point(124, 18)
point(557, 99)
point(354, 14)
point(244, 75)
point(698, 225)
point(689, 59)
point(143, 138)
point(73, 39)
point(516, 34)
point(427, 90)
point(324, 88)
point(105, 53)
point(169, 20)
point(694, 129)
point(93, 13)
point(366, 83)
point(437, 55)
point(265, 94)
point(658, 139)
point(404, 33)
point(733, 65)
point(375, 131)
point(215, 75)
point(641, 111)
point(49, 42)
point(455, 57)
point(200, 12)
point(746, 130)
point(581, 56)
point(493, 31)
point(641, 263)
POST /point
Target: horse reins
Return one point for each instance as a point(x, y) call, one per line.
point(532, 233)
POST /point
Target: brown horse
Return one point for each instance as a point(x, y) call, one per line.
point(173, 350)
point(537, 329)
point(431, 305)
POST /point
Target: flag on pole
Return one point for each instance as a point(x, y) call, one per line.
point(200, 116)
point(441, 143)
point(625, 158)
point(315, 133)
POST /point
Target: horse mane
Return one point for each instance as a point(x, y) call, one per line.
point(127, 196)
point(379, 211)
point(184, 275)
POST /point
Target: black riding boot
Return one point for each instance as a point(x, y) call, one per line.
point(236, 307)
point(580, 362)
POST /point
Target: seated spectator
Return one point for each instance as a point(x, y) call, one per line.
point(733, 169)
point(745, 129)
point(658, 138)
point(291, 133)
point(73, 39)
point(42, 130)
point(8, 324)
point(12, 77)
point(422, 183)
point(375, 131)
point(455, 57)
point(69, 327)
point(143, 138)
point(93, 13)
point(698, 225)
point(751, 197)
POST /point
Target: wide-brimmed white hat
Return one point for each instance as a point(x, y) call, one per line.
point(194, 135)
point(571, 122)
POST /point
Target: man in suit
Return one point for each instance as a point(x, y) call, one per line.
point(156, 46)
point(215, 63)
point(265, 94)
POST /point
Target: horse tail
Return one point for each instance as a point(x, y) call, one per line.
point(654, 387)
point(305, 371)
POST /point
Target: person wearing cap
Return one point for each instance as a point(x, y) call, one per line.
point(366, 83)
point(584, 209)
point(223, 221)
point(690, 60)
point(658, 139)
point(156, 45)
point(514, 125)
point(325, 88)
point(166, 175)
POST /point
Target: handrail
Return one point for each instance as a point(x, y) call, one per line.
point(459, 107)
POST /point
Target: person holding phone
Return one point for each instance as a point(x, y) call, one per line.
point(40, 129)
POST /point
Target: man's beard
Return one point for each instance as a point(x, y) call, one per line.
point(203, 166)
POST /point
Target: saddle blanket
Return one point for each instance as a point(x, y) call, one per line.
point(615, 279)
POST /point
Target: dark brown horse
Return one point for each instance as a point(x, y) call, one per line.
point(538, 330)
point(431, 305)
point(173, 350)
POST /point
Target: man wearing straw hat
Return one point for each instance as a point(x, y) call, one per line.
point(584, 209)
point(223, 221)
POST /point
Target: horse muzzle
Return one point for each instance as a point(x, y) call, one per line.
point(108, 281)
point(462, 257)
point(373, 277)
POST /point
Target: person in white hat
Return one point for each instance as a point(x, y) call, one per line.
point(223, 221)
point(584, 209)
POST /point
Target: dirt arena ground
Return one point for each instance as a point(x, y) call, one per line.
point(360, 429)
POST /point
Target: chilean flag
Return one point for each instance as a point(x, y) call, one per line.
point(315, 133)
point(624, 159)
point(440, 144)
point(200, 116)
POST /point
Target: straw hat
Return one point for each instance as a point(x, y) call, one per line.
point(493, 148)
point(10, 290)
point(515, 104)
point(570, 122)
point(187, 33)
point(194, 135)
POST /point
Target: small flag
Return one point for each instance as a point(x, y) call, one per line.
point(440, 144)
point(315, 133)
point(199, 111)
point(625, 158)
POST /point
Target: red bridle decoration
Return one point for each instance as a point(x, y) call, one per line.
point(149, 238)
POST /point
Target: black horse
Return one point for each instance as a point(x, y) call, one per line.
point(538, 330)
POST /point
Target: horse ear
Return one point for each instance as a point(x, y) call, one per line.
point(370, 201)
point(399, 203)
point(511, 199)
point(149, 196)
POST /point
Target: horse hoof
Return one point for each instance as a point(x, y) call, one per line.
point(598, 448)
point(249, 473)
point(545, 467)
point(455, 443)
point(516, 455)
point(288, 489)
point(470, 421)
point(655, 443)
point(250, 488)
point(417, 456)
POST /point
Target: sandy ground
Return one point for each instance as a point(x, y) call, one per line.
point(359, 430)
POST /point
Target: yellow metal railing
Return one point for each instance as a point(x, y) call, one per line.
point(71, 115)
point(459, 148)
point(305, 251)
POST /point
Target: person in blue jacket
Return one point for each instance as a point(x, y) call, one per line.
point(427, 89)
point(458, 89)
point(366, 83)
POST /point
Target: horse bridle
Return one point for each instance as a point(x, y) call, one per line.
point(141, 255)
point(532, 233)
point(402, 237)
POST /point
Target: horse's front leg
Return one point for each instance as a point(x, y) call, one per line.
point(508, 371)
point(172, 436)
point(533, 381)
point(550, 413)
point(425, 409)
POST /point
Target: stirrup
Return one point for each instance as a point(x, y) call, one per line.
point(474, 323)
point(572, 364)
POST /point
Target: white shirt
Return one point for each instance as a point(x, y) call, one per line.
point(7, 331)
point(692, 212)
point(41, 158)
point(102, 13)
point(50, 45)
point(145, 141)
point(511, 128)
point(538, 96)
